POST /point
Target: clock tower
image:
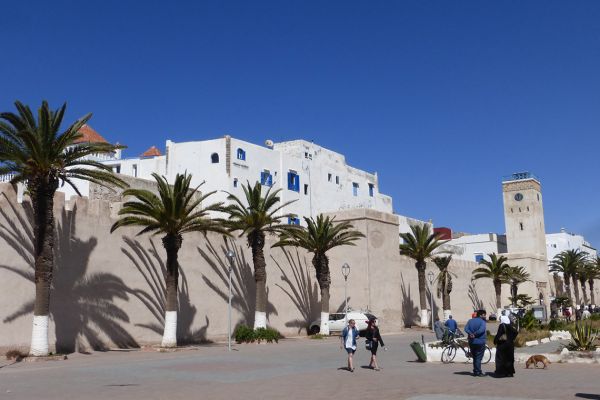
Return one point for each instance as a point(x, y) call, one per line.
point(526, 233)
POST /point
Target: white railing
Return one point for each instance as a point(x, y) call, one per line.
point(6, 178)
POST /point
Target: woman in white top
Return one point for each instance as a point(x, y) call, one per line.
point(348, 338)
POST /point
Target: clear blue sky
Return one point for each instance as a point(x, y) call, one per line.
point(442, 98)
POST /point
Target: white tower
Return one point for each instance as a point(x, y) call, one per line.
point(525, 232)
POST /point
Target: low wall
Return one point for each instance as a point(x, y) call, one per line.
point(108, 288)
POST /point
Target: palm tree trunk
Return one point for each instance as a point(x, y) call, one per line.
point(321, 264)
point(567, 279)
point(592, 295)
point(42, 198)
point(583, 291)
point(172, 244)
point(514, 289)
point(575, 289)
point(256, 240)
point(421, 265)
point(498, 290)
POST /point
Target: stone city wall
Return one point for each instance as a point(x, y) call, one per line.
point(108, 288)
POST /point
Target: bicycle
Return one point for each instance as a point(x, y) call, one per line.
point(454, 344)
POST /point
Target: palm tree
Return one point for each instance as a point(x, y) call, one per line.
point(594, 273)
point(496, 270)
point(319, 237)
point(175, 211)
point(255, 217)
point(444, 280)
point(568, 262)
point(38, 155)
point(420, 244)
point(516, 275)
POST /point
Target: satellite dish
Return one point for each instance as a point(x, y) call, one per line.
point(269, 143)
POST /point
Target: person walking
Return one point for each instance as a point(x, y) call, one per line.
point(476, 331)
point(349, 335)
point(439, 329)
point(373, 340)
point(451, 325)
point(505, 349)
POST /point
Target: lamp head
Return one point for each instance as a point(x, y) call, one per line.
point(230, 254)
point(345, 270)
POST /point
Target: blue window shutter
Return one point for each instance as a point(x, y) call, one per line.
point(297, 183)
point(270, 180)
point(290, 181)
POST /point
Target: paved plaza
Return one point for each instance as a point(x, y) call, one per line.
point(293, 369)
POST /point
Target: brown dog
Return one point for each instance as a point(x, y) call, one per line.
point(537, 359)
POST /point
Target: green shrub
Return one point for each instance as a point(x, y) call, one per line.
point(583, 337)
point(269, 335)
point(529, 322)
point(244, 334)
point(556, 325)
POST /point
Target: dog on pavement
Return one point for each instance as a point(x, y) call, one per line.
point(535, 360)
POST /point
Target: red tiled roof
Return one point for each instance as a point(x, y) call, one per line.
point(152, 152)
point(89, 135)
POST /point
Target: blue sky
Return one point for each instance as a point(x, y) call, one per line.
point(441, 98)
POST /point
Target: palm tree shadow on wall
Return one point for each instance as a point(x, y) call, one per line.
point(301, 289)
point(410, 312)
point(81, 304)
point(153, 270)
point(243, 289)
point(474, 297)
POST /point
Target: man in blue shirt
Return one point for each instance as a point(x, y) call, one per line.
point(476, 330)
point(451, 325)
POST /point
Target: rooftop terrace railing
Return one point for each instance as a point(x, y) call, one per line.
point(517, 176)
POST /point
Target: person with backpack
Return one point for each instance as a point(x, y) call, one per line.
point(349, 335)
point(372, 341)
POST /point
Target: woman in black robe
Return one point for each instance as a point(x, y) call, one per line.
point(505, 350)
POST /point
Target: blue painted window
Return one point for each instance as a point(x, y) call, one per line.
point(371, 189)
point(293, 181)
point(241, 154)
point(293, 220)
point(478, 257)
point(266, 179)
point(214, 158)
point(355, 188)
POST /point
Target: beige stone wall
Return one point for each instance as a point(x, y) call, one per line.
point(108, 287)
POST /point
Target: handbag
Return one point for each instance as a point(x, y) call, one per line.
point(368, 344)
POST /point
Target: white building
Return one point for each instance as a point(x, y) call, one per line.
point(318, 180)
point(559, 242)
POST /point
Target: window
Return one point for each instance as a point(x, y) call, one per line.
point(293, 181)
point(521, 225)
point(328, 177)
point(235, 182)
point(293, 220)
point(371, 189)
point(266, 179)
point(337, 180)
point(214, 158)
point(354, 189)
point(478, 258)
point(538, 197)
point(134, 170)
point(117, 169)
point(305, 188)
point(241, 154)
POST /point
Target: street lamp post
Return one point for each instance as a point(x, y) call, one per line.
point(345, 273)
point(430, 278)
point(230, 256)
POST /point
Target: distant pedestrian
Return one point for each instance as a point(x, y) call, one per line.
point(476, 331)
point(439, 329)
point(373, 340)
point(586, 313)
point(451, 325)
point(505, 349)
point(349, 335)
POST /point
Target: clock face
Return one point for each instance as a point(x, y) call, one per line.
point(518, 197)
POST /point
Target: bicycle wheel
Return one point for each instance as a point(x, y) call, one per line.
point(487, 355)
point(448, 354)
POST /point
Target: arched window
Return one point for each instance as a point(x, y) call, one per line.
point(214, 158)
point(241, 154)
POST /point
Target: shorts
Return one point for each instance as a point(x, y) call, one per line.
point(350, 350)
